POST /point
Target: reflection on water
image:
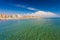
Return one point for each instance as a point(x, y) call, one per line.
point(30, 29)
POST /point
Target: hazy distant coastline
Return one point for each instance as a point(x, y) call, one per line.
point(16, 16)
point(39, 14)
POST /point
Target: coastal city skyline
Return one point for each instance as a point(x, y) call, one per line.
point(39, 14)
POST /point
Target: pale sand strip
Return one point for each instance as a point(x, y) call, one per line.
point(7, 18)
point(15, 18)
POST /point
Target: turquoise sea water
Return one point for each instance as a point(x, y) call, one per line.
point(30, 29)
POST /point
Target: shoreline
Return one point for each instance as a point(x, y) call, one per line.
point(15, 18)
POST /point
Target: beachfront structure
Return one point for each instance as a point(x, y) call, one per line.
point(16, 16)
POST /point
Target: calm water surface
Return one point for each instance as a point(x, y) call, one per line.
point(30, 29)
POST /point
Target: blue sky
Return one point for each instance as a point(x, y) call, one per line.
point(29, 6)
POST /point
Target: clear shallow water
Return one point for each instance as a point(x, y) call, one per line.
point(30, 29)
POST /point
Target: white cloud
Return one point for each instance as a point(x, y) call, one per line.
point(20, 6)
point(29, 8)
point(43, 14)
